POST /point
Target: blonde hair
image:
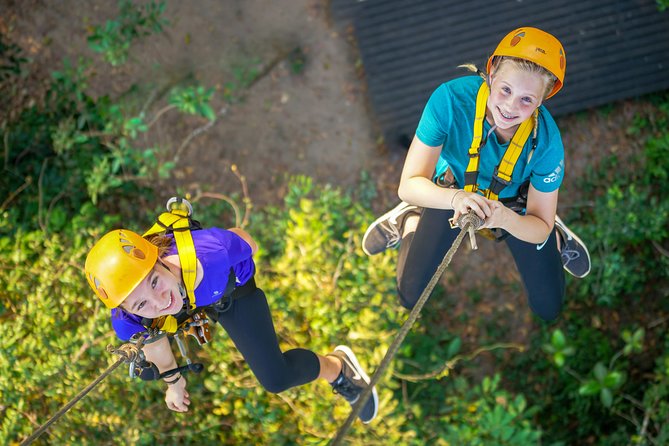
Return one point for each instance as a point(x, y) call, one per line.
point(520, 64)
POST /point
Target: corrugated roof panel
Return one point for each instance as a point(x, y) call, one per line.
point(616, 49)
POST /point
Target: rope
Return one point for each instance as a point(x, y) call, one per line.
point(128, 353)
point(467, 222)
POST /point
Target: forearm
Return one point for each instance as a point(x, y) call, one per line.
point(421, 191)
point(160, 353)
point(528, 228)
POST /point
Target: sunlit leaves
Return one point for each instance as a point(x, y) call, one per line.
point(558, 348)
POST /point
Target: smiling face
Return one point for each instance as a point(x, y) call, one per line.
point(514, 95)
point(157, 295)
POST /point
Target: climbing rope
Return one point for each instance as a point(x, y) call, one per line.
point(128, 353)
point(468, 224)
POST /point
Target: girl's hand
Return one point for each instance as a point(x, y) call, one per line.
point(176, 396)
point(498, 217)
point(464, 202)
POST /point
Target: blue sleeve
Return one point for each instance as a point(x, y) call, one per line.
point(437, 117)
point(548, 170)
point(125, 325)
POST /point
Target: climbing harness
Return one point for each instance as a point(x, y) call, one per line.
point(178, 222)
point(468, 224)
point(503, 172)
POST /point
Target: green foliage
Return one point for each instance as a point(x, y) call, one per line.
point(113, 39)
point(558, 348)
point(630, 218)
point(605, 382)
point(486, 415)
point(11, 59)
point(662, 5)
point(193, 100)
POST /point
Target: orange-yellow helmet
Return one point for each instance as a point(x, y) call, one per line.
point(117, 263)
point(536, 46)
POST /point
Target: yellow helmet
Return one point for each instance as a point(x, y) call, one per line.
point(117, 263)
point(536, 46)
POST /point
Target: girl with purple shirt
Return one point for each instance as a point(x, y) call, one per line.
point(141, 280)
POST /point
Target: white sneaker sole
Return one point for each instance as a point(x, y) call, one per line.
point(390, 215)
point(575, 237)
point(358, 367)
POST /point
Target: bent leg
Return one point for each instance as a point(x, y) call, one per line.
point(249, 324)
point(540, 268)
point(421, 253)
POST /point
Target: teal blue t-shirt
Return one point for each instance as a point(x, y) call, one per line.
point(448, 119)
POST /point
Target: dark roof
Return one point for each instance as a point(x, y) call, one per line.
point(616, 49)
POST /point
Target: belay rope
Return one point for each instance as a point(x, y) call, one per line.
point(128, 353)
point(468, 223)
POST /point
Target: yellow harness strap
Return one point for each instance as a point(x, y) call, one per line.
point(472, 172)
point(179, 222)
point(503, 172)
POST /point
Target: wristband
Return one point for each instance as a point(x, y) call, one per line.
point(455, 195)
point(174, 381)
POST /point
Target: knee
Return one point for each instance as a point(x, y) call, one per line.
point(408, 299)
point(547, 309)
point(274, 384)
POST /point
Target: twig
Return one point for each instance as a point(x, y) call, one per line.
point(660, 249)
point(301, 414)
point(28, 181)
point(248, 205)
point(615, 358)
point(450, 364)
point(573, 373)
point(340, 262)
point(657, 322)
point(39, 195)
point(223, 197)
point(159, 113)
point(6, 141)
point(634, 401)
point(622, 415)
point(644, 425)
point(198, 131)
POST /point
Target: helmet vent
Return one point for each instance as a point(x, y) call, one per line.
point(138, 253)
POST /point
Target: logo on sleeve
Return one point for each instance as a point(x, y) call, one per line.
point(555, 175)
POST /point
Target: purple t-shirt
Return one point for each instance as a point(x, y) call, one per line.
point(218, 250)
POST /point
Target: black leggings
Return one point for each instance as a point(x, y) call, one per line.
point(249, 324)
point(421, 253)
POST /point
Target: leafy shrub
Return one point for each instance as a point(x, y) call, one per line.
point(113, 39)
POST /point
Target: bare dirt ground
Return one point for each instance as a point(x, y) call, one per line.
point(293, 120)
point(311, 120)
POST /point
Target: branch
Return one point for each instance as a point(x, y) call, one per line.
point(28, 181)
point(39, 195)
point(198, 131)
point(248, 205)
point(223, 197)
point(450, 365)
point(159, 113)
point(660, 249)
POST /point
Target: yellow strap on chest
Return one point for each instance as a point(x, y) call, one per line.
point(505, 168)
point(179, 222)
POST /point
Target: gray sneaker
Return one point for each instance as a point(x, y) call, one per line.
point(386, 231)
point(574, 253)
point(352, 380)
